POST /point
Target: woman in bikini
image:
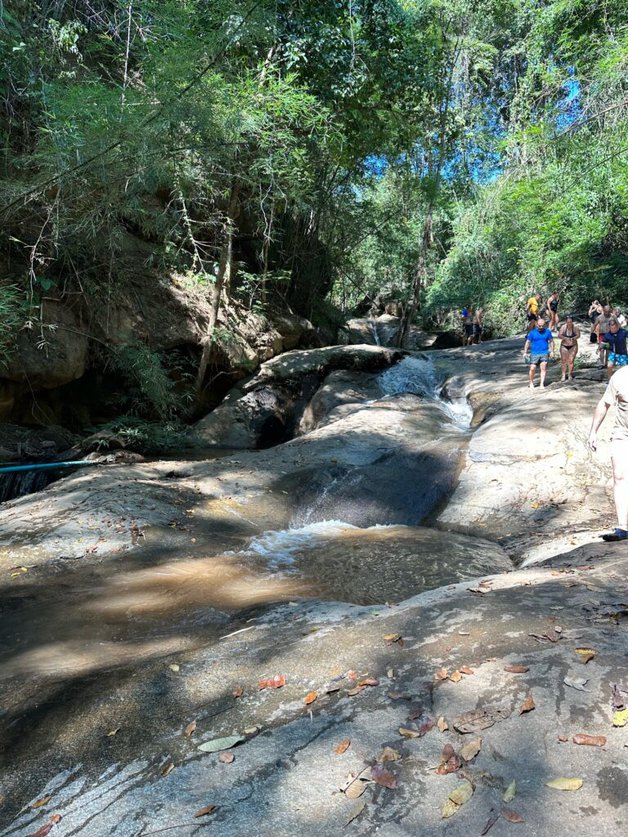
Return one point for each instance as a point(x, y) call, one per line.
point(552, 310)
point(568, 336)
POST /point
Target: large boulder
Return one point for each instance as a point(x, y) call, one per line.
point(52, 352)
point(267, 408)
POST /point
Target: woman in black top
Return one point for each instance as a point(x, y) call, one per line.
point(568, 335)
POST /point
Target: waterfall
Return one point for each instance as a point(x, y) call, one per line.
point(373, 327)
point(24, 482)
point(418, 375)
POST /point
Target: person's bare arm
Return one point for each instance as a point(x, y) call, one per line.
point(598, 417)
point(526, 348)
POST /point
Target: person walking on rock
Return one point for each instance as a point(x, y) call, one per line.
point(539, 346)
point(595, 309)
point(616, 338)
point(602, 326)
point(569, 335)
point(467, 326)
point(552, 310)
point(478, 328)
point(532, 310)
point(616, 393)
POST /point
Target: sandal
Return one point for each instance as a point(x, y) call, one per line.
point(616, 535)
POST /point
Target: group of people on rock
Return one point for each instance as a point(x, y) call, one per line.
point(472, 325)
point(607, 330)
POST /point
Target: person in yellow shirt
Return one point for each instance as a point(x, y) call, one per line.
point(532, 310)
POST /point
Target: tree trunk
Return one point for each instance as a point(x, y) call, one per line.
point(419, 279)
point(222, 284)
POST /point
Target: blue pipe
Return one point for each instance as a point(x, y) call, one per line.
point(10, 469)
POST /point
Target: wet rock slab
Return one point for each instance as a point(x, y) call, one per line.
point(286, 775)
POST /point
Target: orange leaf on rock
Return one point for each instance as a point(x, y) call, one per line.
point(352, 675)
point(591, 740)
point(355, 691)
point(55, 818)
point(226, 758)
point(442, 724)
point(528, 705)
point(343, 746)
point(369, 681)
point(310, 698)
point(275, 682)
point(189, 729)
point(203, 812)
point(43, 831)
point(441, 674)
point(455, 676)
point(41, 802)
point(466, 670)
point(238, 692)
point(516, 669)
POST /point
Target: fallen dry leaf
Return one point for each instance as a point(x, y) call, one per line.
point(441, 674)
point(41, 802)
point(310, 698)
point(355, 691)
point(343, 746)
point(466, 670)
point(238, 692)
point(383, 777)
point(388, 754)
point(449, 809)
point(479, 719)
point(275, 682)
point(512, 816)
point(189, 729)
point(620, 718)
point(352, 675)
point(516, 669)
point(576, 683)
point(391, 674)
point(590, 740)
point(409, 733)
point(369, 681)
point(356, 811)
point(55, 818)
point(455, 676)
point(563, 738)
point(356, 785)
point(167, 768)
point(471, 749)
point(392, 637)
point(510, 792)
point(442, 724)
point(226, 758)
point(449, 761)
point(203, 812)
point(586, 654)
point(43, 831)
point(217, 744)
point(399, 696)
point(462, 793)
point(528, 705)
point(566, 784)
point(113, 732)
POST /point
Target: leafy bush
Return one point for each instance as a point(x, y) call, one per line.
point(153, 391)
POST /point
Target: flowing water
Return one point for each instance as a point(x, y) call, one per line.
point(95, 617)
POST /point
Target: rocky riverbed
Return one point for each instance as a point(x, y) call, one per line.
point(420, 574)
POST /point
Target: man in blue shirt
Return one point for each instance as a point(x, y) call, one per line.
point(539, 345)
point(616, 337)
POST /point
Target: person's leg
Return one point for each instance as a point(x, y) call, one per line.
point(571, 359)
point(564, 360)
point(531, 374)
point(543, 372)
point(619, 458)
point(610, 368)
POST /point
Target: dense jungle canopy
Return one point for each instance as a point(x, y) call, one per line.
point(439, 152)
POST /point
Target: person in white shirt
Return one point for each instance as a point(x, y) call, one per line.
point(616, 393)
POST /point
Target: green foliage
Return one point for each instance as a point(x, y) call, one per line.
point(13, 312)
point(152, 438)
point(149, 387)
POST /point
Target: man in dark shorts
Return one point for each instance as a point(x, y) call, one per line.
point(532, 310)
point(602, 326)
point(467, 326)
point(616, 338)
point(478, 327)
point(539, 346)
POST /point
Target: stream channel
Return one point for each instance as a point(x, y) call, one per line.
point(81, 635)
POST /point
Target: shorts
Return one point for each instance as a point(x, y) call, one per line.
point(468, 329)
point(593, 337)
point(617, 360)
point(477, 330)
point(533, 317)
point(535, 359)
